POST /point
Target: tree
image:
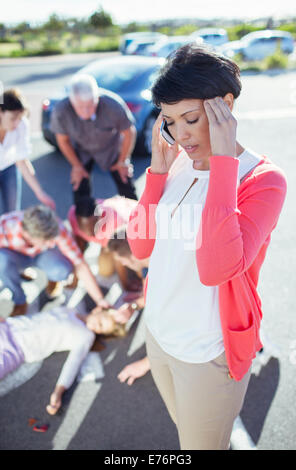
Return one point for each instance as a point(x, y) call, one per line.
point(54, 23)
point(100, 19)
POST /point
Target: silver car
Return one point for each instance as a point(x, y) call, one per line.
point(165, 47)
point(259, 44)
point(212, 36)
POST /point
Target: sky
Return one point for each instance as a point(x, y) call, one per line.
point(125, 11)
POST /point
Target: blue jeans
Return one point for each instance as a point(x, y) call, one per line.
point(56, 266)
point(11, 188)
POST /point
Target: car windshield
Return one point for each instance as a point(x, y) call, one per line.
point(115, 76)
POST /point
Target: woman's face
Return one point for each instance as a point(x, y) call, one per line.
point(100, 322)
point(188, 124)
point(10, 119)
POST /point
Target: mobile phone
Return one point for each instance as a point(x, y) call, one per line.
point(166, 133)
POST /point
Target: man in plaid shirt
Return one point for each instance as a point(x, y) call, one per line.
point(36, 237)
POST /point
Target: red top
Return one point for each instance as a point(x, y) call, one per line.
point(236, 226)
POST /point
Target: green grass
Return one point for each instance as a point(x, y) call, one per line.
point(42, 44)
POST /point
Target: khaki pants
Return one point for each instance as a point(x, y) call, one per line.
point(202, 400)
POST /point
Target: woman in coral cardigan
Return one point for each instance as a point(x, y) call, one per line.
point(204, 219)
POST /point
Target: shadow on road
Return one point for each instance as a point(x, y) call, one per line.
point(259, 397)
point(53, 172)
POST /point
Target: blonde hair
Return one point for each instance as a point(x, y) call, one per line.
point(118, 330)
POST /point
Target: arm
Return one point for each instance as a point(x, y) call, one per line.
point(128, 142)
point(124, 313)
point(134, 371)
point(232, 232)
point(84, 273)
point(78, 342)
point(123, 165)
point(78, 172)
point(27, 170)
point(141, 229)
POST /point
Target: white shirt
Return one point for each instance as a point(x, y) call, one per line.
point(41, 334)
point(181, 313)
point(16, 145)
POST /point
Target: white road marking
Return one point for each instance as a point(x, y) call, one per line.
point(81, 402)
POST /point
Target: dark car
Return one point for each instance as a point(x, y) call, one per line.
point(131, 78)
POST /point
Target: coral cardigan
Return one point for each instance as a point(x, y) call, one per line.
point(235, 232)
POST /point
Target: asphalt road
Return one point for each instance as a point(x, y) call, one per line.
point(111, 415)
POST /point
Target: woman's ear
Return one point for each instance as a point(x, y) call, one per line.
point(229, 100)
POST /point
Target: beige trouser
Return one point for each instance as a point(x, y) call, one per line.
point(202, 400)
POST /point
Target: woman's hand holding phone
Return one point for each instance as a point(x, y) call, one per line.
point(163, 154)
point(222, 127)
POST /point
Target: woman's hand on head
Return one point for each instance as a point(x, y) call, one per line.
point(222, 127)
point(163, 154)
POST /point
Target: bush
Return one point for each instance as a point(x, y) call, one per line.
point(240, 30)
point(278, 60)
point(289, 27)
point(105, 44)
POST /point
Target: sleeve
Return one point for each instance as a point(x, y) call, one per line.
point(81, 342)
point(141, 229)
point(23, 144)
point(233, 229)
point(68, 246)
point(58, 121)
point(124, 116)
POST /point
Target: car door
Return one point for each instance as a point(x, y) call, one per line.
point(260, 48)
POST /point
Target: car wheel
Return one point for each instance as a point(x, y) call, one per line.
point(144, 146)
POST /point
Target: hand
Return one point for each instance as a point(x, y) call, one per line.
point(134, 371)
point(222, 127)
point(46, 199)
point(125, 169)
point(163, 154)
point(77, 175)
point(123, 314)
point(103, 304)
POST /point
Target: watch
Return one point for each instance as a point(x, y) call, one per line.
point(125, 162)
point(134, 306)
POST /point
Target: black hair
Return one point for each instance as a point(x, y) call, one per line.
point(118, 242)
point(195, 72)
point(85, 206)
point(12, 100)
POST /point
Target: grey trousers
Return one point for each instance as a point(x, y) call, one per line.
point(202, 400)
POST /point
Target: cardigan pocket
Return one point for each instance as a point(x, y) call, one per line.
point(241, 342)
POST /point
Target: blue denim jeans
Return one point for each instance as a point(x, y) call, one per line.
point(56, 266)
point(11, 188)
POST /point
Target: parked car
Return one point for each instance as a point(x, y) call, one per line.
point(131, 78)
point(213, 36)
point(139, 46)
point(165, 47)
point(259, 44)
point(127, 39)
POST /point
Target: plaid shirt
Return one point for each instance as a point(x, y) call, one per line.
point(11, 236)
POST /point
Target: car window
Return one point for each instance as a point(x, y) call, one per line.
point(265, 41)
point(114, 77)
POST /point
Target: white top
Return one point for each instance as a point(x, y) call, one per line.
point(16, 145)
point(41, 334)
point(181, 313)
